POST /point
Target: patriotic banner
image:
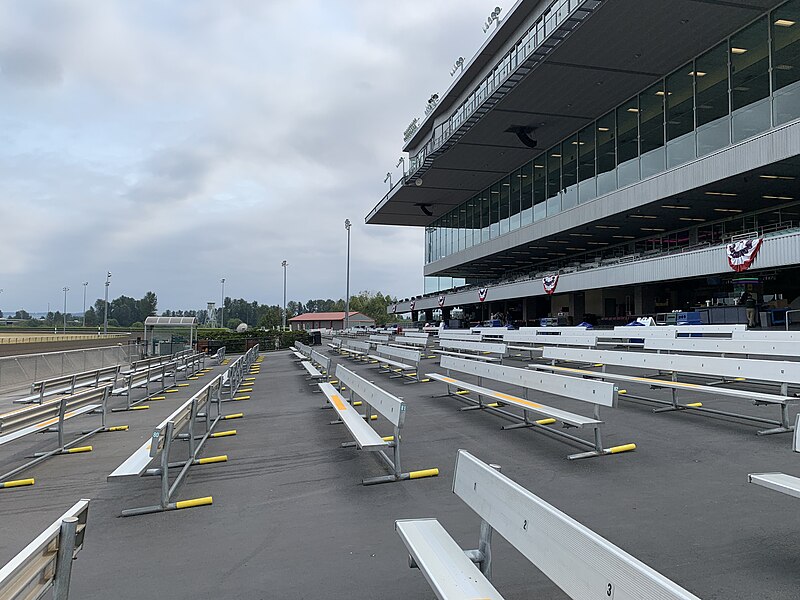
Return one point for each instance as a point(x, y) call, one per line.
point(413, 304)
point(742, 253)
point(441, 301)
point(394, 308)
point(549, 283)
point(482, 294)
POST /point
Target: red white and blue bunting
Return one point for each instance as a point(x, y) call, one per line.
point(742, 253)
point(441, 301)
point(549, 283)
point(482, 292)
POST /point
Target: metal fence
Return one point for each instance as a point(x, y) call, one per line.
point(22, 370)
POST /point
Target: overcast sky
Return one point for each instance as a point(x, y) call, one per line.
point(175, 143)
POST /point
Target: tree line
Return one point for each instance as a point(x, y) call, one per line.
point(127, 312)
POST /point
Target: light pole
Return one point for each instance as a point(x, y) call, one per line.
point(105, 306)
point(85, 283)
point(222, 306)
point(347, 297)
point(66, 289)
point(284, 264)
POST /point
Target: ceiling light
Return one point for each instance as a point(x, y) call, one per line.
point(642, 216)
point(624, 237)
point(784, 23)
point(560, 242)
point(495, 192)
point(597, 243)
point(652, 229)
point(698, 73)
point(692, 219)
point(785, 177)
point(603, 129)
point(607, 227)
point(556, 155)
point(578, 143)
point(574, 249)
point(784, 67)
point(727, 210)
point(523, 176)
point(676, 206)
point(720, 194)
point(777, 197)
point(633, 110)
point(538, 166)
point(581, 234)
point(738, 50)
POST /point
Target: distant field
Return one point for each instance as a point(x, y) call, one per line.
point(25, 337)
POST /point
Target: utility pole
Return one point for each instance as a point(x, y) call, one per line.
point(222, 306)
point(284, 264)
point(83, 322)
point(347, 298)
point(105, 307)
point(66, 289)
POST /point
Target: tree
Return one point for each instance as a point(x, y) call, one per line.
point(91, 317)
point(22, 314)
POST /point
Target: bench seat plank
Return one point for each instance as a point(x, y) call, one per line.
point(451, 575)
point(393, 363)
point(482, 357)
point(10, 437)
point(135, 464)
point(679, 385)
point(555, 413)
point(779, 482)
point(365, 436)
point(312, 370)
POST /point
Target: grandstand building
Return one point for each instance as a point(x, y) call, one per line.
point(612, 158)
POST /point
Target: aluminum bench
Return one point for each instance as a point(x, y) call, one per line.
point(578, 561)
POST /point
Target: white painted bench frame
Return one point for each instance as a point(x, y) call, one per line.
point(583, 564)
point(391, 360)
point(604, 394)
point(772, 371)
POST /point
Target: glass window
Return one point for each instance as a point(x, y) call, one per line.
point(461, 215)
point(514, 209)
point(628, 142)
point(749, 52)
point(712, 103)
point(505, 194)
point(786, 61)
point(526, 193)
point(471, 215)
point(680, 115)
point(494, 211)
point(539, 187)
point(587, 186)
point(651, 129)
point(569, 172)
point(553, 180)
point(485, 220)
point(606, 154)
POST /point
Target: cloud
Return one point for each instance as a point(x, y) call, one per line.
point(177, 143)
